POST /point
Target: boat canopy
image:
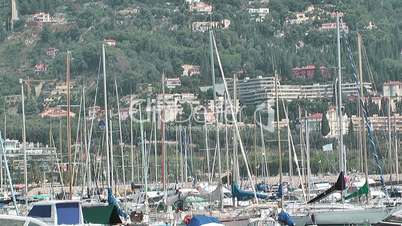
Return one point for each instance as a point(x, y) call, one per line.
point(198, 220)
point(243, 195)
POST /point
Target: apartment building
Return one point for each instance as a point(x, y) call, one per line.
point(262, 89)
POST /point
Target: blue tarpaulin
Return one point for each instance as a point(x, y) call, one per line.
point(285, 218)
point(199, 220)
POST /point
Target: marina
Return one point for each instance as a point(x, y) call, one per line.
point(245, 151)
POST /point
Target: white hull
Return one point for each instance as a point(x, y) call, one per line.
point(343, 216)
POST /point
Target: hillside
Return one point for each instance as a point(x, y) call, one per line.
point(155, 36)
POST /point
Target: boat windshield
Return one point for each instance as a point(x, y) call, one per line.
point(68, 213)
point(40, 211)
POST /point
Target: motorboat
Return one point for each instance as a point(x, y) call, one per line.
point(11, 220)
point(57, 212)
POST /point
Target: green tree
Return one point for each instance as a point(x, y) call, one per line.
point(324, 125)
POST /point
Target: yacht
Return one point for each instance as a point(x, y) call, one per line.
point(57, 212)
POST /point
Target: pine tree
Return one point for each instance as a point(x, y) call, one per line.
point(324, 125)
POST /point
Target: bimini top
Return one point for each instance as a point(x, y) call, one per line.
point(198, 220)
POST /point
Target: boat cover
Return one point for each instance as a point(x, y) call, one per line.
point(243, 195)
point(198, 220)
point(285, 218)
point(338, 186)
point(113, 201)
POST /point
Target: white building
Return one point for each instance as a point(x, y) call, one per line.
point(174, 104)
point(262, 89)
point(332, 116)
point(172, 83)
point(205, 26)
point(190, 70)
point(392, 89)
point(201, 7)
point(258, 14)
point(332, 26)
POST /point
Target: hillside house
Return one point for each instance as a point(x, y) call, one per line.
point(55, 112)
point(307, 72)
point(191, 1)
point(61, 88)
point(42, 17)
point(332, 116)
point(40, 68)
point(314, 121)
point(52, 52)
point(332, 26)
point(392, 89)
point(258, 14)
point(205, 26)
point(128, 12)
point(201, 7)
point(190, 70)
point(110, 42)
point(172, 83)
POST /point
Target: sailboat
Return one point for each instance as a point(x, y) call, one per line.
point(342, 213)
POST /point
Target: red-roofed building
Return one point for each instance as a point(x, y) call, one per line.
point(55, 112)
point(307, 72)
point(201, 7)
point(40, 67)
point(314, 121)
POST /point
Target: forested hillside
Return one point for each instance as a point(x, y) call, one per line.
point(156, 36)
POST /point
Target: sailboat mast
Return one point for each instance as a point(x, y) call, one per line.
point(106, 117)
point(70, 170)
point(87, 144)
point(163, 136)
point(303, 176)
point(112, 181)
point(121, 137)
point(207, 148)
point(342, 162)
point(131, 139)
point(396, 152)
point(144, 164)
point(218, 149)
point(389, 138)
point(278, 135)
point(24, 141)
point(363, 128)
point(226, 136)
point(290, 153)
point(264, 160)
point(155, 144)
point(307, 130)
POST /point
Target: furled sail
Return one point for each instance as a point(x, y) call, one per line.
point(338, 186)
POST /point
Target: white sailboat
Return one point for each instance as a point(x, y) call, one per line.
point(339, 213)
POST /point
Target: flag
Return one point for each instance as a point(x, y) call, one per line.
point(327, 147)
